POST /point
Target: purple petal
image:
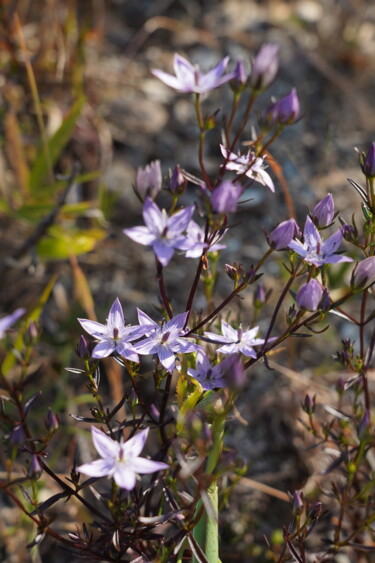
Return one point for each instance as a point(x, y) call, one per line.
point(332, 243)
point(104, 349)
point(170, 80)
point(177, 322)
point(298, 247)
point(127, 351)
point(311, 235)
point(153, 217)
point(163, 252)
point(105, 446)
point(144, 465)
point(147, 346)
point(214, 77)
point(179, 221)
point(140, 234)
point(124, 477)
point(184, 347)
point(93, 328)
point(9, 320)
point(185, 73)
point(144, 319)
point(134, 446)
point(248, 351)
point(229, 332)
point(116, 316)
point(167, 358)
point(98, 468)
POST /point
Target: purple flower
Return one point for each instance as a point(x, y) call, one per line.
point(113, 336)
point(309, 295)
point(188, 78)
point(323, 212)
point(248, 164)
point(240, 77)
point(165, 340)
point(196, 236)
point(149, 180)
point(265, 66)
point(209, 376)
point(314, 250)
point(283, 234)
point(368, 166)
point(9, 320)
point(285, 111)
point(120, 460)
point(225, 197)
point(163, 233)
point(236, 340)
point(364, 274)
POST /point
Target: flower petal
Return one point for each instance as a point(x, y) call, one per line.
point(179, 221)
point(140, 234)
point(134, 446)
point(105, 446)
point(167, 358)
point(104, 349)
point(144, 465)
point(124, 477)
point(93, 328)
point(116, 316)
point(311, 235)
point(98, 468)
point(163, 252)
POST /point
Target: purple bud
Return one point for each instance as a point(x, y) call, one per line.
point(154, 411)
point(283, 234)
point(17, 436)
point(368, 166)
point(364, 274)
point(82, 348)
point(177, 181)
point(298, 504)
point(231, 272)
point(31, 335)
point(259, 296)
point(283, 112)
point(323, 212)
point(309, 296)
point(265, 66)
point(350, 233)
point(224, 198)
point(35, 469)
point(149, 180)
point(325, 303)
point(52, 423)
point(239, 81)
point(309, 404)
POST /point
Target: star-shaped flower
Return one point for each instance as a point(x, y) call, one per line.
point(196, 237)
point(165, 340)
point(120, 460)
point(211, 376)
point(314, 250)
point(248, 164)
point(188, 78)
point(9, 320)
point(114, 336)
point(236, 340)
point(163, 233)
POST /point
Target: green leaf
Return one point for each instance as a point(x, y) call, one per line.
point(56, 145)
point(60, 245)
point(187, 406)
point(10, 358)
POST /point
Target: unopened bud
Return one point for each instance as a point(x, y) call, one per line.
point(364, 425)
point(283, 112)
point(363, 275)
point(265, 66)
point(368, 164)
point(308, 404)
point(259, 296)
point(149, 180)
point(35, 469)
point(283, 234)
point(52, 422)
point(82, 348)
point(323, 212)
point(239, 81)
point(297, 504)
point(31, 335)
point(309, 296)
point(177, 181)
point(225, 197)
point(17, 436)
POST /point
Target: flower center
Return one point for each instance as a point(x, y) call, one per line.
point(115, 333)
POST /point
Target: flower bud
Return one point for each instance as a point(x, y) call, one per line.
point(52, 423)
point(239, 81)
point(350, 233)
point(31, 335)
point(325, 303)
point(283, 112)
point(265, 66)
point(231, 272)
point(259, 296)
point(35, 469)
point(363, 274)
point(323, 212)
point(308, 404)
point(364, 425)
point(309, 296)
point(297, 503)
point(82, 349)
point(177, 181)
point(17, 436)
point(368, 165)
point(149, 180)
point(224, 198)
point(283, 234)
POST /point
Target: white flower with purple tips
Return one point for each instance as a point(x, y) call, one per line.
point(248, 164)
point(163, 233)
point(120, 460)
point(236, 340)
point(188, 78)
point(315, 251)
point(165, 340)
point(114, 336)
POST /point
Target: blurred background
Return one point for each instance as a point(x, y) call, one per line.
point(76, 93)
